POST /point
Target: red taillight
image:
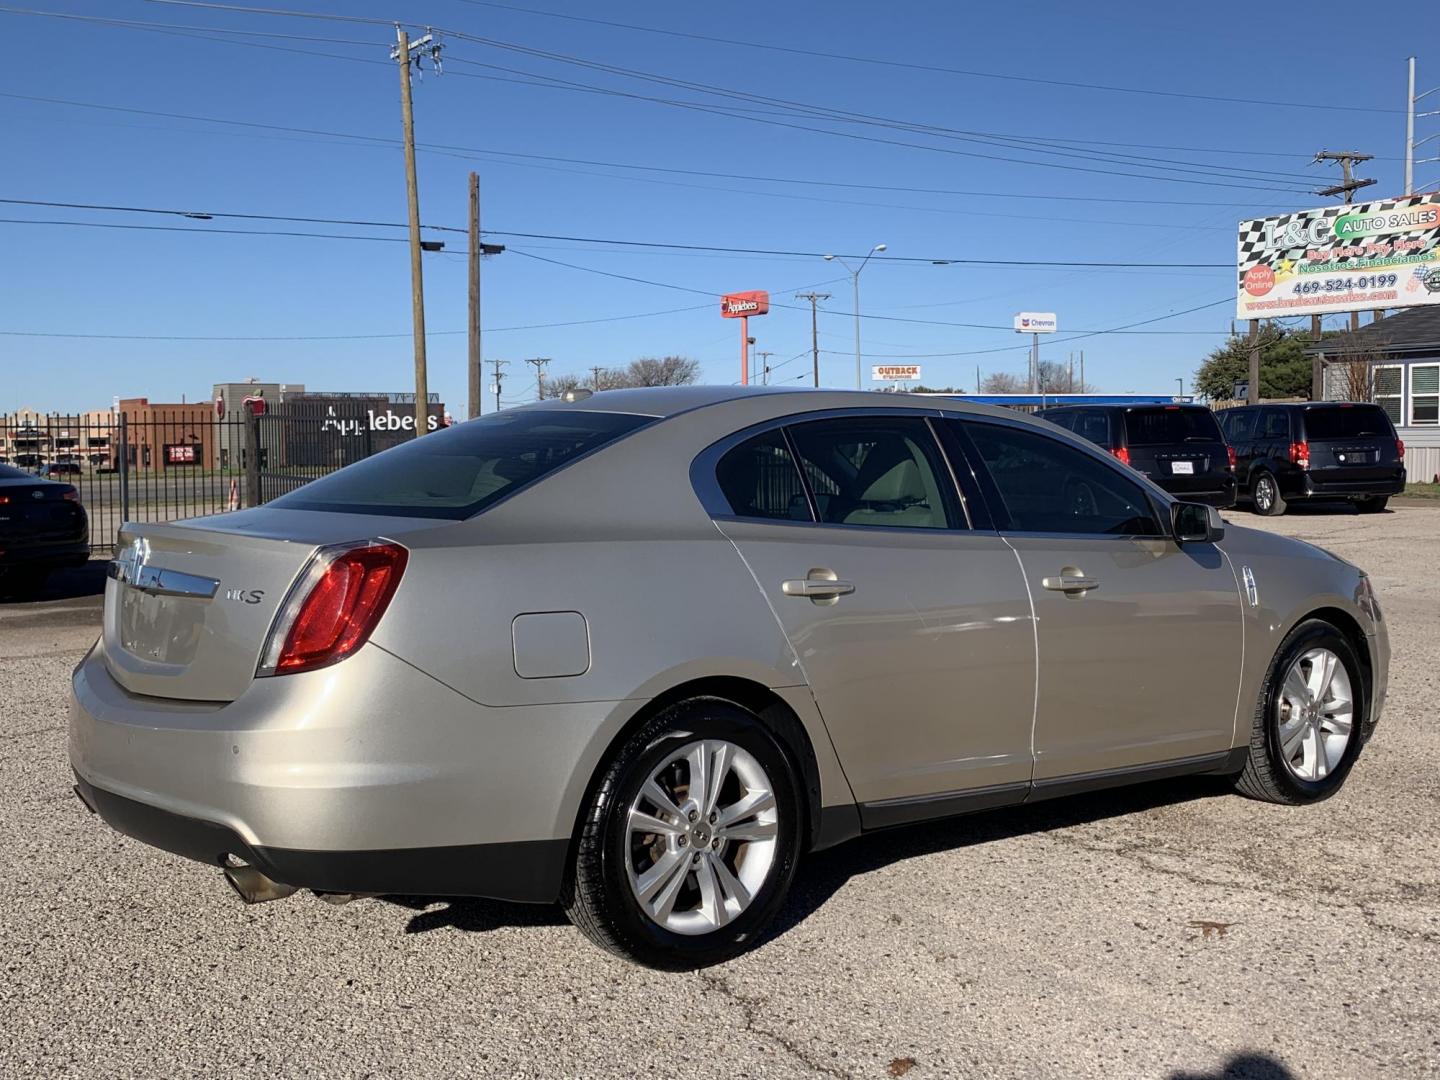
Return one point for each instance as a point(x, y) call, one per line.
point(1122, 455)
point(70, 496)
point(1300, 454)
point(332, 610)
point(1230, 458)
point(4, 499)
point(1400, 448)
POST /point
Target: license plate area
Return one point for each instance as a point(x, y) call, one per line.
point(1182, 468)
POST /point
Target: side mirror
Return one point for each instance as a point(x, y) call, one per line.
point(1196, 523)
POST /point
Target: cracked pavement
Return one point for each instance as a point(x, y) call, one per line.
point(1171, 931)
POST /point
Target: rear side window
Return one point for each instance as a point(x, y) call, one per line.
point(1239, 424)
point(877, 471)
point(459, 471)
point(1274, 424)
point(1064, 417)
point(1170, 426)
point(1094, 425)
point(1324, 422)
point(759, 479)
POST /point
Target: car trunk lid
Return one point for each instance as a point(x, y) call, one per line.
point(188, 606)
point(36, 512)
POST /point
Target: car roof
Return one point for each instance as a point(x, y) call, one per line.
point(1119, 407)
point(663, 402)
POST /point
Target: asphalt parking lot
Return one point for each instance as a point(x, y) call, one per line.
point(1172, 931)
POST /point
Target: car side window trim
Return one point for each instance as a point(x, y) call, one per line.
point(1000, 514)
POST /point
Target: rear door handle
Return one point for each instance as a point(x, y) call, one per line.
point(820, 585)
point(1070, 582)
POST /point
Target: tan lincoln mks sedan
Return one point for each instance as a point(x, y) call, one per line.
point(637, 653)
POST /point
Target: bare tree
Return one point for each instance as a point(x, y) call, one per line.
point(1057, 378)
point(1353, 371)
point(559, 385)
point(665, 371)
point(1002, 382)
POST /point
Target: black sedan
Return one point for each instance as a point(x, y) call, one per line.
point(42, 526)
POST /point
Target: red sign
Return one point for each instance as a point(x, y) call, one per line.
point(219, 408)
point(181, 454)
point(743, 304)
point(255, 404)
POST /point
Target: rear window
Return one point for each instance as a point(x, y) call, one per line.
point(1162, 426)
point(459, 471)
point(1346, 422)
point(7, 473)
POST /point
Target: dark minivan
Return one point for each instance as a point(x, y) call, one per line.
point(1321, 450)
point(1180, 447)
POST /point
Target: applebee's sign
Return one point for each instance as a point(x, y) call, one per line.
point(373, 421)
point(735, 305)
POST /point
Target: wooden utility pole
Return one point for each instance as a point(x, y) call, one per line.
point(765, 365)
point(1348, 160)
point(1317, 362)
point(814, 299)
point(474, 359)
point(595, 378)
point(539, 362)
point(499, 377)
point(417, 281)
point(1252, 391)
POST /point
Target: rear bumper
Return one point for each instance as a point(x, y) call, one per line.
point(369, 776)
point(527, 871)
point(1211, 490)
point(73, 552)
point(1323, 487)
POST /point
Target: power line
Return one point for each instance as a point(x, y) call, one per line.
point(753, 45)
point(275, 11)
point(490, 153)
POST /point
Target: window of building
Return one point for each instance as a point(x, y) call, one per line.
point(1389, 388)
point(1424, 394)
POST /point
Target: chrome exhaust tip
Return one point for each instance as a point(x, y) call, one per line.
point(254, 887)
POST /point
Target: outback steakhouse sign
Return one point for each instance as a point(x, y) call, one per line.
point(1382, 254)
point(895, 372)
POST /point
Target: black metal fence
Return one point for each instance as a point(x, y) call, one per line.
point(171, 464)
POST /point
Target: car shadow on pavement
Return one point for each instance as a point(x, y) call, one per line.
point(822, 874)
point(1248, 1066)
point(65, 583)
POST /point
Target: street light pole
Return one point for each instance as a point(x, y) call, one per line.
point(855, 281)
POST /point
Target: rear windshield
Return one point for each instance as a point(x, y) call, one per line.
point(1162, 426)
point(459, 471)
point(1346, 422)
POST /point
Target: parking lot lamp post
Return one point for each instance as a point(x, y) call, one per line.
point(855, 281)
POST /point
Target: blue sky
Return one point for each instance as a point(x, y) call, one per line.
point(139, 285)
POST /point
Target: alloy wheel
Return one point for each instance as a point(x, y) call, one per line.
point(1315, 712)
point(1264, 493)
point(701, 836)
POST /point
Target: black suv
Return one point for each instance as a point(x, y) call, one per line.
point(1325, 450)
point(1180, 447)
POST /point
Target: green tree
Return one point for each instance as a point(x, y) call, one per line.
point(1284, 369)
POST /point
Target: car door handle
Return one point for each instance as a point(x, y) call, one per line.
point(818, 585)
point(1070, 583)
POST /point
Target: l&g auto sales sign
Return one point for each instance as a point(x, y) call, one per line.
point(1360, 257)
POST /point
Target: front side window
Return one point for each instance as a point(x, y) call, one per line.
point(759, 479)
point(459, 471)
point(1046, 486)
point(880, 471)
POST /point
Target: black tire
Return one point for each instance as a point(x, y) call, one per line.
point(599, 898)
point(1265, 775)
point(1265, 495)
point(1375, 504)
